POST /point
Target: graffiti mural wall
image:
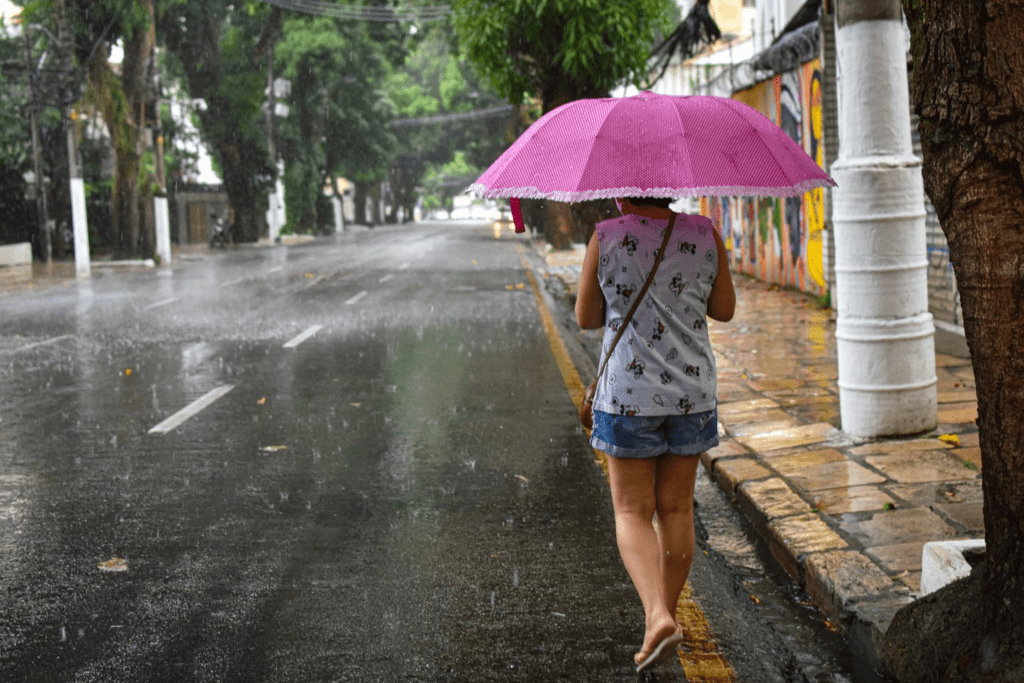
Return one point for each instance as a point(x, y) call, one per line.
point(780, 240)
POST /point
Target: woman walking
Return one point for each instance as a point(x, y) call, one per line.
point(655, 403)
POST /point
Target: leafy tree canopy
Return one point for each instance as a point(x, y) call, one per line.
point(221, 47)
point(337, 124)
point(560, 50)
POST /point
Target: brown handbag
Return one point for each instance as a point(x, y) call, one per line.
point(587, 406)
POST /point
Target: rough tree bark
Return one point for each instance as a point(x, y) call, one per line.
point(969, 92)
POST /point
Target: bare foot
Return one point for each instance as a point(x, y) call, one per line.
point(657, 632)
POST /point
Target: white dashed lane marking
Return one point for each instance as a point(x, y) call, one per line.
point(356, 298)
point(192, 409)
point(161, 303)
point(52, 340)
point(291, 344)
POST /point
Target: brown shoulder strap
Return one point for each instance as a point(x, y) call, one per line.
point(640, 296)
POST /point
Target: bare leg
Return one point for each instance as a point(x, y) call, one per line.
point(633, 496)
point(674, 480)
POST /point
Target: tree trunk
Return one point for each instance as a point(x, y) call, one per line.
point(586, 215)
point(884, 332)
point(969, 93)
point(147, 223)
point(559, 223)
point(375, 192)
point(359, 200)
point(122, 102)
point(250, 210)
point(200, 57)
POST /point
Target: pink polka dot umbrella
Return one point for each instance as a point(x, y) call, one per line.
point(650, 145)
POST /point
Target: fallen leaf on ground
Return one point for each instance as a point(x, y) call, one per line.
point(114, 564)
point(262, 401)
point(271, 449)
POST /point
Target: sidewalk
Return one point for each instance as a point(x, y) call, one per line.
point(846, 519)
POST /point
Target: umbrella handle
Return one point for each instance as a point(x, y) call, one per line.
point(517, 214)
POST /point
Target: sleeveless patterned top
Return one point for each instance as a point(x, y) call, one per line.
point(663, 364)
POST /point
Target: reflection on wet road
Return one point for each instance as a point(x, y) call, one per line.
point(367, 478)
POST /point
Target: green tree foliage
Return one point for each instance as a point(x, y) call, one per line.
point(442, 183)
point(82, 33)
point(560, 50)
point(414, 91)
point(18, 223)
point(337, 123)
point(222, 49)
point(15, 137)
point(436, 83)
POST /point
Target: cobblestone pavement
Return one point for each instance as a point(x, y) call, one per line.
point(846, 519)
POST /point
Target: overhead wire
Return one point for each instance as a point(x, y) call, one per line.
point(364, 12)
point(445, 118)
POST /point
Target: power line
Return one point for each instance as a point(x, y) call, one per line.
point(444, 118)
point(364, 13)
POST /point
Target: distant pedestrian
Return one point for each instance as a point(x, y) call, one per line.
point(655, 407)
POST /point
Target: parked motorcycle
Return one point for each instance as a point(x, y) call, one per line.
point(220, 234)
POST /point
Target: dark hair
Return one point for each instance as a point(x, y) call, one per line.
point(661, 202)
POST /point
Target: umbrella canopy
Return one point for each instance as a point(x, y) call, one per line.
point(651, 145)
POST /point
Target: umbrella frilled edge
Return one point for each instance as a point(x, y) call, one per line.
point(570, 197)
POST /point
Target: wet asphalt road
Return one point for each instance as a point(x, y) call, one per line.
point(400, 494)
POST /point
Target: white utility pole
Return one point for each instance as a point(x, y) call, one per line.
point(884, 332)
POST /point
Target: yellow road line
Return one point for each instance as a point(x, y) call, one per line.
point(701, 660)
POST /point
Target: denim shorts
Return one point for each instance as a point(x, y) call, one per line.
point(638, 436)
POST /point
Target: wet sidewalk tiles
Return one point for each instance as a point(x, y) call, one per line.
point(846, 519)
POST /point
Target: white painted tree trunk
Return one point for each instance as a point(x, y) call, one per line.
point(275, 209)
point(163, 230)
point(83, 261)
point(884, 332)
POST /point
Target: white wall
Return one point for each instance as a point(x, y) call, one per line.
point(772, 16)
